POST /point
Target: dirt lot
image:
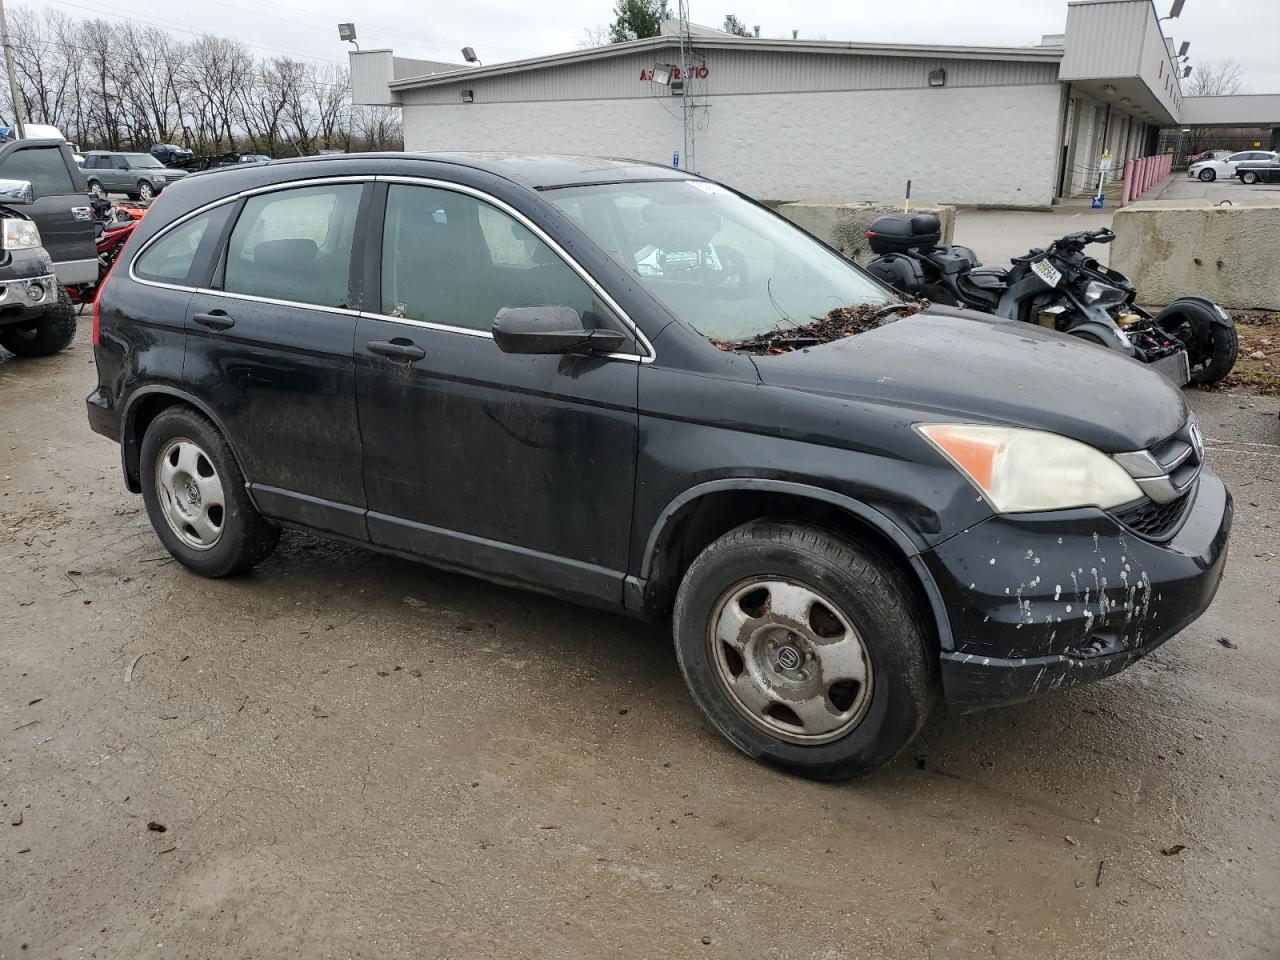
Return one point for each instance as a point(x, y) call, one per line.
point(355, 756)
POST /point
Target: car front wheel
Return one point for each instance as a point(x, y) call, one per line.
point(49, 333)
point(805, 649)
point(1208, 176)
point(145, 190)
point(196, 498)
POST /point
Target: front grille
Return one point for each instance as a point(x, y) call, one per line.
point(1155, 521)
point(1167, 471)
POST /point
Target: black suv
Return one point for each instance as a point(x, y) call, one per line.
point(534, 369)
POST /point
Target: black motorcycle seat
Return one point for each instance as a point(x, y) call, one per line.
point(988, 278)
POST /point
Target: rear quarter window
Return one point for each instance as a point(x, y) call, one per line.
point(177, 255)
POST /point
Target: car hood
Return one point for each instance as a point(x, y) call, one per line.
point(970, 367)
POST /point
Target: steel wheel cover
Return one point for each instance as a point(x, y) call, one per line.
point(790, 660)
point(190, 494)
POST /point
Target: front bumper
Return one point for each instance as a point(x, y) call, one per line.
point(1041, 601)
point(25, 298)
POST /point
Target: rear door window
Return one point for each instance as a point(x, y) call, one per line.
point(43, 167)
point(295, 245)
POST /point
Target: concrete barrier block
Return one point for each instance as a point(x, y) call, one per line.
point(843, 224)
point(1226, 254)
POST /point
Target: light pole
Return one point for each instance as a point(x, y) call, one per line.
point(13, 79)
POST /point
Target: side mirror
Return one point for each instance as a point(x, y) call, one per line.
point(17, 192)
point(550, 330)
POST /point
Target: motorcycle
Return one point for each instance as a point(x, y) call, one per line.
point(113, 225)
point(1060, 287)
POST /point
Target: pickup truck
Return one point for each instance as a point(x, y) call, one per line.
point(36, 318)
point(44, 187)
point(61, 206)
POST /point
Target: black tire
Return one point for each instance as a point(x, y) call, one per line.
point(246, 538)
point(95, 188)
point(1089, 337)
point(1248, 176)
point(1208, 175)
point(1212, 347)
point(145, 191)
point(49, 333)
point(867, 589)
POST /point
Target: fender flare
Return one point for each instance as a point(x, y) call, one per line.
point(1104, 332)
point(131, 444)
point(1216, 312)
point(911, 551)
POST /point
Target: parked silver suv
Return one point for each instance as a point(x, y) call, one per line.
point(138, 175)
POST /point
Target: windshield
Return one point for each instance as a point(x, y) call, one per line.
point(727, 268)
point(143, 160)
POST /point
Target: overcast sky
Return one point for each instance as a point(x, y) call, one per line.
point(510, 29)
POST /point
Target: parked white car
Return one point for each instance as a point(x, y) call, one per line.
point(1210, 170)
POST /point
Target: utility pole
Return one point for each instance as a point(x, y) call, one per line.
point(13, 79)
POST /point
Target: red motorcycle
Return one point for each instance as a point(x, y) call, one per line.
point(114, 224)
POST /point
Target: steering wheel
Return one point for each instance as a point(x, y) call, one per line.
point(733, 272)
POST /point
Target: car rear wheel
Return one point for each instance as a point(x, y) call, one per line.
point(49, 333)
point(805, 649)
point(1208, 176)
point(1248, 176)
point(196, 499)
point(145, 190)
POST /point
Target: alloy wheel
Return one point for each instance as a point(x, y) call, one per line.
point(145, 191)
point(190, 494)
point(790, 660)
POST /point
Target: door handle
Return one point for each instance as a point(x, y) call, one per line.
point(214, 320)
point(397, 350)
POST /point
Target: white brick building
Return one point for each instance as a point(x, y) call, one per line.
point(783, 119)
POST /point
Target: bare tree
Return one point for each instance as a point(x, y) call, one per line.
point(125, 86)
point(1216, 78)
point(597, 36)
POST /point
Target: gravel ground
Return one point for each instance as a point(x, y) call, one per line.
point(355, 756)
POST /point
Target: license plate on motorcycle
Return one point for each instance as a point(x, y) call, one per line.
point(1176, 368)
point(1047, 272)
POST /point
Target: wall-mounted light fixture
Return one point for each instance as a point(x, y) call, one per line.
point(1109, 90)
point(938, 78)
point(347, 32)
point(1182, 50)
point(1186, 71)
point(469, 55)
point(662, 73)
point(468, 95)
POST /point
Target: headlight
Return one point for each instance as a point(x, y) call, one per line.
point(1093, 291)
point(1019, 470)
point(20, 234)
